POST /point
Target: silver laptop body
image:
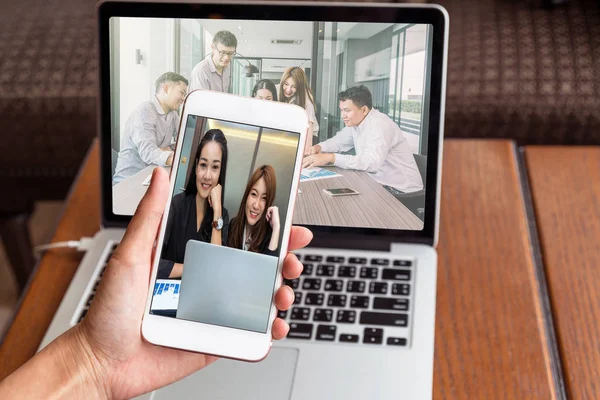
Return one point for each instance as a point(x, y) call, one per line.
point(360, 355)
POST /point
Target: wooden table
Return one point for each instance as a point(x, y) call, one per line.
point(489, 335)
point(565, 186)
point(314, 207)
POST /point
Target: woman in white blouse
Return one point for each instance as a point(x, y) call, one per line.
point(294, 89)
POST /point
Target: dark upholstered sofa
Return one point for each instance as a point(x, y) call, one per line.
point(516, 70)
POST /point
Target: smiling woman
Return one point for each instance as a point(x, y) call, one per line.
point(198, 212)
point(256, 226)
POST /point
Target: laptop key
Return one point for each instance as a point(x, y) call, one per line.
point(82, 316)
point(373, 336)
point(380, 261)
point(396, 274)
point(282, 314)
point(311, 284)
point(359, 301)
point(378, 287)
point(335, 259)
point(298, 298)
point(325, 270)
point(308, 269)
point(293, 283)
point(390, 303)
point(336, 300)
point(401, 289)
point(396, 341)
point(314, 299)
point(326, 332)
point(357, 260)
point(346, 316)
point(385, 319)
point(300, 331)
point(334, 285)
point(323, 315)
point(402, 263)
point(313, 258)
point(300, 313)
point(346, 272)
point(347, 337)
point(369, 272)
point(355, 287)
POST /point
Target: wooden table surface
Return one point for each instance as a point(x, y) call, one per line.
point(314, 207)
point(489, 340)
point(565, 186)
point(489, 335)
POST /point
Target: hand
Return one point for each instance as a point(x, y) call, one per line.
point(169, 161)
point(214, 199)
point(273, 218)
point(316, 149)
point(318, 160)
point(105, 355)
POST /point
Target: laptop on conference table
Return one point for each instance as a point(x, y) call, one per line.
point(362, 325)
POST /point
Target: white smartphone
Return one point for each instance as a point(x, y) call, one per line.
point(225, 229)
point(340, 192)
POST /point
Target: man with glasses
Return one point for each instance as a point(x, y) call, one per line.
point(151, 128)
point(214, 73)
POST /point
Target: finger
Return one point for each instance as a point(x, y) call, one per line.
point(292, 268)
point(141, 232)
point(280, 329)
point(284, 297)
point(299, 237)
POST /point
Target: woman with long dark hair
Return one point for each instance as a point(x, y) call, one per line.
point(198, 212)
point(256, 227)
point(265, 90)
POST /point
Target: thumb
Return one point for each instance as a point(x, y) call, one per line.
point(141, 233)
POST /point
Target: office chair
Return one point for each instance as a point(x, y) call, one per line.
point(415, 201)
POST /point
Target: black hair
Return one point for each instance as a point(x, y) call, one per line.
point(265, 84)
point(169, 77)
point(360, 96)
point(212, 135)
point(226, 38)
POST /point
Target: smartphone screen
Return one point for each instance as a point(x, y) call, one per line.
point(340, 191)
point(222, 244)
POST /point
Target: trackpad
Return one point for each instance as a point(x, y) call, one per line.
point(271, 378)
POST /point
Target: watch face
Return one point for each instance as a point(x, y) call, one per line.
point(220, 223)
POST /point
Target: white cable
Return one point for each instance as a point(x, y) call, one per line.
point(82, 244)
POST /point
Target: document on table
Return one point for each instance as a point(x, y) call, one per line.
point(166, 294)
point(312, 174)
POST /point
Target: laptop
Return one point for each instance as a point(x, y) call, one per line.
point(362, 324)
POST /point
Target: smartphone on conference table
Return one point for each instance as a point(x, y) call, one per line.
point(340, 192)
point(226, 225)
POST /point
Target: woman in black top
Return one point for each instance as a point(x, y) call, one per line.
point(256, 226)
point(198, 213)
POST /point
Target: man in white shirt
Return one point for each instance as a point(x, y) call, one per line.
point(214, 72)
point(380, 146)
point(151, 128)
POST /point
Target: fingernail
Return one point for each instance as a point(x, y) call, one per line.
point(153, 175)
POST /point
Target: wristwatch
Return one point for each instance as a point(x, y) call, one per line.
point(218, 224)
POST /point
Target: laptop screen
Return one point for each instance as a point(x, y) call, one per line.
point(365, 87)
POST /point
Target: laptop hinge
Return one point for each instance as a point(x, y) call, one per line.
point(363, 242)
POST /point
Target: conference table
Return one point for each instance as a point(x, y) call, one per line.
point(128, 193)
point(315, 207)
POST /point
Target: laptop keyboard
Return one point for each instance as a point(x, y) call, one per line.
point(352, 300)
point(341, 299)
point(90, 297)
